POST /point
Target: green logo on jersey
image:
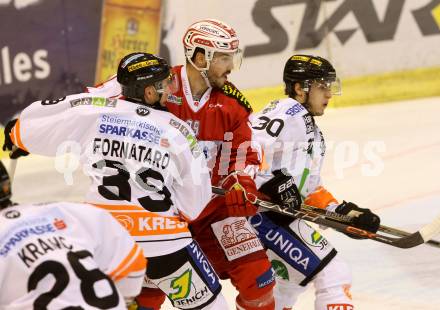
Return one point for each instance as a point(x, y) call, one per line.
point(182, 284)
point(98, 101)
point(280, 269)
point(316, 237)
point(192, 140)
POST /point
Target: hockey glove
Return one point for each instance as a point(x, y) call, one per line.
point(15, 151)
point(241, 195)
point(281, 189)
point(362, 218)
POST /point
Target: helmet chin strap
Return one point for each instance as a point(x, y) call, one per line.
point(203, 71)
point(306, 103)
point(204, 74)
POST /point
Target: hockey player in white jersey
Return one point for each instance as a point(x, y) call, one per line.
point(146, 169)
point(64, 255)
point(294, 149)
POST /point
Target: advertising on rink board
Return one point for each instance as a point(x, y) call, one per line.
point(59, 47)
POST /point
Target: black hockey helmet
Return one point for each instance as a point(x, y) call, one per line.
point(308, 68)
point(138, 70)
point(5, 187)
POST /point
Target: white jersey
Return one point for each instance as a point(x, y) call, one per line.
point(290, 139)
point(109, 89)
point(57, 255)
point(146, 166)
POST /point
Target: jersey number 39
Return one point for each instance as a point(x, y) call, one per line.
point(146, 178)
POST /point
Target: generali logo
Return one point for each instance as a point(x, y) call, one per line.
point(236, 237)
point(235, 233)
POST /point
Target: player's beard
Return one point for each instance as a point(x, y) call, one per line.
point(218, 81)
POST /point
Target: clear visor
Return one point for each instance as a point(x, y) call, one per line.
point(230, 61)
point(170, 85)
point(332, 85)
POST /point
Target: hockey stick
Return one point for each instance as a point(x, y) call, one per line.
point(347, 219)
point(405, 242)
point(402, 233)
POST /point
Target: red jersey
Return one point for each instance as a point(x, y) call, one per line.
point(220, 120)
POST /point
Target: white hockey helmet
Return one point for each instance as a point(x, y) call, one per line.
point(212, 36)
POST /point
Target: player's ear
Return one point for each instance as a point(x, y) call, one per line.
point(300, 94)
point(200, 60)
point(150, 94)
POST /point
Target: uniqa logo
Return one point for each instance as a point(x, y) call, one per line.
point(288, 248)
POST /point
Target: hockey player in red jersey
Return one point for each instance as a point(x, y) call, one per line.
point(218, 114)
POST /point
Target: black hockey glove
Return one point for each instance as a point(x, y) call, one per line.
point(14, 151)
point(362, 218)
point(281, 189)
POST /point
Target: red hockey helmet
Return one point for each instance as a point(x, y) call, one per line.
point(212, 36)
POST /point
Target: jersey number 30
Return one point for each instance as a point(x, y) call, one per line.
point(273, 126)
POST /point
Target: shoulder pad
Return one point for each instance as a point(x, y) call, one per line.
point(230, 90)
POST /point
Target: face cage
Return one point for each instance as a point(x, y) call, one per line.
point(333, 85)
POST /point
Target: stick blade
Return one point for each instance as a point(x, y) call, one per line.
point(430, 230)
point(422, 236)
